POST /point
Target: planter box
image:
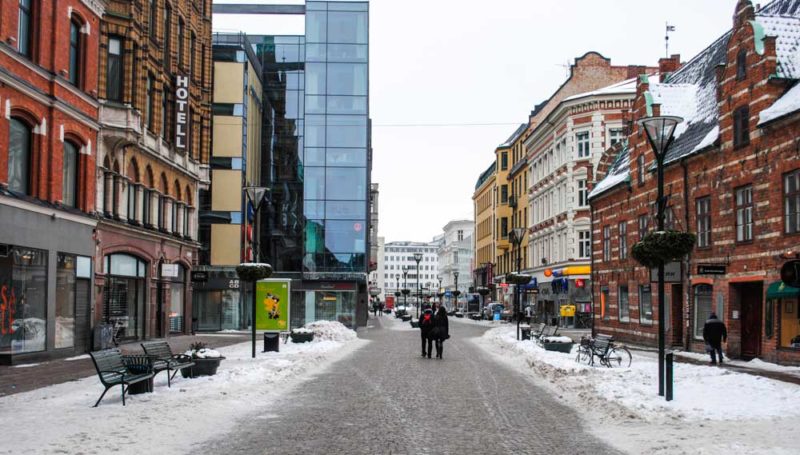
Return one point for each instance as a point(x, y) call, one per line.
point(406, 317)
point(302, 337)
point(558, 347)
point(202, 367)
point(414, 324)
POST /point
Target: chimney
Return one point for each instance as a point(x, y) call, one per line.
point(668, 65)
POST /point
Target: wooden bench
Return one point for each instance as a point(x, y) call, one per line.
point(114, 369)
point(165, 360)
point(600, 346)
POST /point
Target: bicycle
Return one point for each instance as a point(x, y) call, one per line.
point(118, 326)
point(603, 347)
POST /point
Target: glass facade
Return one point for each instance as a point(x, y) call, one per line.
point(124, 299)
point(23, 299)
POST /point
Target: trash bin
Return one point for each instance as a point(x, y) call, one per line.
point(526, 333)
point(272, 342)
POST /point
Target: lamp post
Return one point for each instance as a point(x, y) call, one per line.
point(516, 238)
point(255, 194)
point(439, 289)
point(405, 287)
point(660, 133)
point(418, 258)
point(455, 285)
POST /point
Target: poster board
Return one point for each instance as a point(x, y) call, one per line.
point(272, 305)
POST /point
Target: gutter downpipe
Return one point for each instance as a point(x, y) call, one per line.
point(688, 275)
point(591, 262)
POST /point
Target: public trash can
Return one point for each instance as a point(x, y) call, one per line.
point(526, 333)
point(272, 342)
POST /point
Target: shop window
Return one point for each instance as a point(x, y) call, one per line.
point(790, 322)
point(25, 41)
point(75, 52)
point(174, 277)
point(702, 308)
point(23, 307)
point(69, 175)
point(66, 279)
point(124, 294)
point(645, 305)
point(20, 150)
point(624, 307)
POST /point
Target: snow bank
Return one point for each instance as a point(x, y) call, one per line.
point(173, 419)
point(331, 331)
point(701, 392)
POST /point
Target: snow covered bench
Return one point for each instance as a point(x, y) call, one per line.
point(165, 360)
point(114, 369)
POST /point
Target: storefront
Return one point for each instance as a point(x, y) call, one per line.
point(218, 303)
point(125, 296)
point(324, 301)
point(564, 297)
point(45, 272)
point(782, 320)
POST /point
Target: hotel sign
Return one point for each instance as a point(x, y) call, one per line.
point(181, 111)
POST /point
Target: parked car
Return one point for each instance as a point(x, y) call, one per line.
point(400, 311)
point(490, 309)
point(507, 314)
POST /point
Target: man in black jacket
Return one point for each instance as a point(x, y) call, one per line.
point(714, 333)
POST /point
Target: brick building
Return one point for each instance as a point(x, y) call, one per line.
point(732, 176)
point(155, 91)
point(48, 137)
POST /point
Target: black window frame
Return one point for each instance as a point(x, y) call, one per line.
point(607, 242)
point(746, 207)
point(115, 87)
point(153, 19)
point(26, 161)
point(150, 90)
point(741, 127)
point(791, 203)
point(25, 16)
point(76, 172)
point(703, 221)
point(640, 169)
point(75, 75)
point(181, 41)
point(622, 234)
point(503, 161)
point(741, 65)
point(167, 37)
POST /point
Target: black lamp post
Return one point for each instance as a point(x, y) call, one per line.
point(660, 133)
point(418, 258)
point(256, 196)
point(405, 287)
point(455, 285)
point(516, 238)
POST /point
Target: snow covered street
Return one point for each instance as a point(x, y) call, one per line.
point(705, 417)
point(169, 420)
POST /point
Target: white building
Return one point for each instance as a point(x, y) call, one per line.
point(376, 277)
point(456, 253)
point(398, 256)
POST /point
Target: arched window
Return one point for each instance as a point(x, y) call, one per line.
point(20, 144)
point(69, 175)
point(75, 54)
point(25, 28)
point(741, 65)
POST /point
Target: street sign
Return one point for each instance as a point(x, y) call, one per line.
point(711, 269)
point(672, 273)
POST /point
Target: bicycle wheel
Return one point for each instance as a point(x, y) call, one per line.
point(584, 355)
point(619, 357)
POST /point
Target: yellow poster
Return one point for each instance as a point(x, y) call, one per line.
point(272, 305)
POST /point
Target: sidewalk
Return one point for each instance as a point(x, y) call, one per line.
point(26, 377)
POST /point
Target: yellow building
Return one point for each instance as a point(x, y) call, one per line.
point(483, 206)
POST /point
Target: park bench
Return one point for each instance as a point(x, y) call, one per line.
point(600, 346)
point(165, 360)
point(536, 330)
point(114, 369)
point(547, 331)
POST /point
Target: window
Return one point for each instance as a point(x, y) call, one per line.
point(614, 136)
point(503, 194)
point(604, 313)
point(167, 36)
point(643, 221)
point(703, 210)
point(582, 193)
point(791, 197)
point(741, 125)
point(24, 299)
point(148, 106)
point(25, 28)
point(606, 243)
point(744, 214)
point(702, 308)
point(624, 307)
point(153, 18)
point(623, 240)
point(69, 175)
point(640, 169)
point(75, 52)
point(582, 140)
point(147, 211)
point(503, 161)
point(132, 190)
point(669, 218)
point(584, 244)
point(788, 321)
point(19, 156)
point(114, 70)
point(504, 227)
point(165, 113)
point(181, 41)
point(645, 305)
point(741, 65)
point(192, 52)
point(460, 235)
point(66, 287)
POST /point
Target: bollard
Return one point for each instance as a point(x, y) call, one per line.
point(668, 379)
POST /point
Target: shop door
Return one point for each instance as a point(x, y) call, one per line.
point(750, 298)
point(677, 314)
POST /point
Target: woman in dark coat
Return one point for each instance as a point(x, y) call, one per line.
point(440, 330)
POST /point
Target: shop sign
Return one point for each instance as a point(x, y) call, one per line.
point(711, 269)
point(272, 305)
point(672, 273)
point(169, 270)
point(181, 111)
point(200, 276)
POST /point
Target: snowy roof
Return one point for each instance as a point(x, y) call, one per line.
point(627, 87)
point(514, 136)
point(788, 103)
point(618, 173)
point(786, 30)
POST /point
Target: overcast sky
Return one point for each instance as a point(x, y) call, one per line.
point(467, 62)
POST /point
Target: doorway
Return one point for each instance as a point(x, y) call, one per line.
point(750, 298)
point(676, 324)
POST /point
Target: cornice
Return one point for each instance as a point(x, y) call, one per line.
point(97, 6)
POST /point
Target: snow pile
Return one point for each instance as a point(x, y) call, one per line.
point(557, 340)
point(206, 353)
point(788, 103)
point(198, 409)
point(701, 392)
point(331, 331)
point(302, 330)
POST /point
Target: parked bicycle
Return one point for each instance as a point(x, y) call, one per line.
point(118, 328)
point(603, 348)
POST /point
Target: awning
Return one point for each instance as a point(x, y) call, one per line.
point(778, 290)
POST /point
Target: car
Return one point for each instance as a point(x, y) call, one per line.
point(507, 314)
point(490, 309)
point(400, 311)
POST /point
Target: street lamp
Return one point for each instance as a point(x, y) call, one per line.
point(256, 196)
point(418, 258)
point(516, 239)
point(405, 287)
point(455, 285)
point(660, 133)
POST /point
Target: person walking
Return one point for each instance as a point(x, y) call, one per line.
point(714, 333)
point(425, 328)
point(440, 331)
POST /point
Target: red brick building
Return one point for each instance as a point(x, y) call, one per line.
point(732, 176)
point(48, 137)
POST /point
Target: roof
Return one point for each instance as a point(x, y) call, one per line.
point(785, 105)
point(485, 175)
point(618, 173)
point(521, 129)
point(627, 87)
